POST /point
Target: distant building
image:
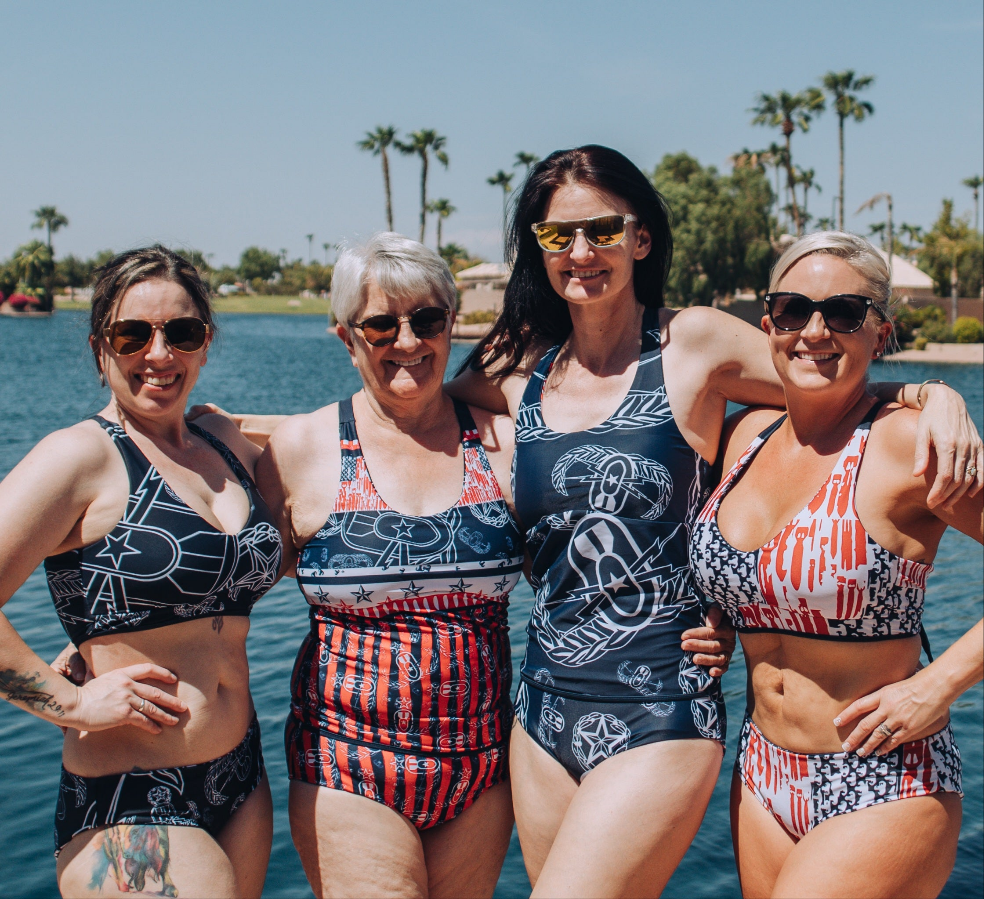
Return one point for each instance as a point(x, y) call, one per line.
point(482, 286)
point(907, 280)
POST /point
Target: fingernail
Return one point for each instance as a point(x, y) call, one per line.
point(845, 746)
point(837, 722)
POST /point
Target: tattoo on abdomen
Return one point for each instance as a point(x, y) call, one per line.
point(133, 854)
point(29, 689)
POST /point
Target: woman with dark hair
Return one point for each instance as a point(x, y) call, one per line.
point(156, 545)
point(619, 405)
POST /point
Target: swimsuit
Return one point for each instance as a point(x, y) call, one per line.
point(163, 564)
point(608, 512)
point(400, 691)
point(823, 577)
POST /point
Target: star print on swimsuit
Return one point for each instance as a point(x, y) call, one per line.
point(118, 546)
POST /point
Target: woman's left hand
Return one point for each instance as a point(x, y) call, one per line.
point(713, 644)
point(946, 425)
point(897, 713)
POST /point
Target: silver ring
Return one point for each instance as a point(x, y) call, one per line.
point(140, 707)
point(885, 730)
point(971, 470)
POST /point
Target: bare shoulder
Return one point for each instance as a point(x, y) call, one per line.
point(226, 430)
point(703, 327)
point(497, 432)
point(742, 427)
point(295, 441)
point(74, 452)
point(893, 434)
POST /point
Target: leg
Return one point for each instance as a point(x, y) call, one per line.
point(152, 859)
point(906, 847)
point(353, 846)
point(761, 844)
point(246, 841)
point(542, 789)
point(631, 820)
point(465, 855)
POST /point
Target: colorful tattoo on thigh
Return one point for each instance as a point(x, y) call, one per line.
point(132, 854)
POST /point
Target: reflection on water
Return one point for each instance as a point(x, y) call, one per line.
point(289, 364)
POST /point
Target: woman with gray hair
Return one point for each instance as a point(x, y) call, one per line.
point(823, 574)
point(406, 550)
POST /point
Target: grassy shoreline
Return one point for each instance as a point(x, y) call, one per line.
point(247, 304)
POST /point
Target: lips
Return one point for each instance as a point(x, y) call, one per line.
point(407, 363)
point(585, 274)
point(158, 380)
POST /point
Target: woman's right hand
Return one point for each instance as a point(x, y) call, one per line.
point(120, 697)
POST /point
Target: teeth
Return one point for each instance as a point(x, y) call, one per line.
point(586, 273)
point(815, 357)
point(407, 363)
point(164, 381)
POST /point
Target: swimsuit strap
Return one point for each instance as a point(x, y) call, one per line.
point(137, 464)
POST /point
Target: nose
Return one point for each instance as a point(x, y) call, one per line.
point(159, 347)
point(405, 338)
point(580, 248)
point(816, 327)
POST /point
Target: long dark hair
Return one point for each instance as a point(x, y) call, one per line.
point(531, 309)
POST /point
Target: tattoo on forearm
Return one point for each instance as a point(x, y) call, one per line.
point(28, 689)
point(132, 854)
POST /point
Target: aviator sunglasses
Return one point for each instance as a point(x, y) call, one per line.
point(600, 231)
point(382, 330)
point(844, 313)
point(130, 335)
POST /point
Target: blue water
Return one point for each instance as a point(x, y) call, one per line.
point(289, 364)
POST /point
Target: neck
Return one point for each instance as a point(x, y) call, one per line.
point(172, 431)
point(816, 418)
point(416, 416)
point(605, 336)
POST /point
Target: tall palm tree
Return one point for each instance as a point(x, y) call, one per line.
point(871, 204)
point(840, 87)
point(913, 234)
point(442, 209)
point(326, 247)
point(788, 112)
point(310, 240)
point(527, 159)
point(376, 142)
point(48, 217)
point(504, 180)
point(421, 143)
point(807, 178)
point(974, 184)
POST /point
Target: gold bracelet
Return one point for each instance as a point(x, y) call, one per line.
point(924, 383)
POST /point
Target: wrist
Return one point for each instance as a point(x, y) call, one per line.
point(926, 390)
point(940, 682)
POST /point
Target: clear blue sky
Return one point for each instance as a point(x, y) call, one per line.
point(217, 125)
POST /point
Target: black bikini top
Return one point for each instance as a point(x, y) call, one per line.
point(163, 563)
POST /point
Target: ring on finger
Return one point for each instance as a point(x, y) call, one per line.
point(970, 471)
point(143, 702)
point(885, 730)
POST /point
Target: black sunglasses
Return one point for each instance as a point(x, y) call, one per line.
point(844, 313)
point(382, 330)
point(128, 336)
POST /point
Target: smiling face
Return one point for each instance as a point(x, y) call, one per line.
point(584, 274)
point(407, 369)
point(155, 381)
point(814, 357)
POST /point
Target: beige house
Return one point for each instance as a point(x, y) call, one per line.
point(907, 280)
point(482, 286)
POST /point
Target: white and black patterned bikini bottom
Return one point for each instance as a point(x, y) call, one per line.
point(803, 790)
point(581, 734)
point(205, 795)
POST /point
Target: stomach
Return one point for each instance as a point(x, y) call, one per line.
point(208, 656)
point(798, 685)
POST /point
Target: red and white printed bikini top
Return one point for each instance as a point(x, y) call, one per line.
point(822, 575)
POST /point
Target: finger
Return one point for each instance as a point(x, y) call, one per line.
point(861, 733)
point(160, 699)
point(921, 460)
point(978, 484)
point(714, 616)
point(944, 485)
point(142, 722)
point(698, 633)
point(147, 671)
point(861, 706)
point(877, 739)
point(706, 644)
point(893, 742)
point(708, 661)
point(156, 713)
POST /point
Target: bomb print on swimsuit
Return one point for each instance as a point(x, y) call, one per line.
point(607, 513)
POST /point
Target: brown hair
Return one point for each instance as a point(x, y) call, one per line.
point(133, 267)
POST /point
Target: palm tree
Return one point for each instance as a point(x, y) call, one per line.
point(442, 209)
point(326, 247)
point(975, 185)
point(840, 87)
point(50, 218)
point(913, 235)
point(788, 112)
point(870, 204)
point(310, 238)
point(376, 142)
point(807, 177)
point(527, 159)
point(877, 229)
point(504, 180)
point(421, 143)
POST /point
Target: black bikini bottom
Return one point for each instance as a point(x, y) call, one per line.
point(204, 795)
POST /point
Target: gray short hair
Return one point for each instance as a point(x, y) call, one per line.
point(401, 267)
point(855, 251)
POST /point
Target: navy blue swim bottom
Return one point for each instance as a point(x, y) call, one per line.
point(581, 734)
point(205, 795)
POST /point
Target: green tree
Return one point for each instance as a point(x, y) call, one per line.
point(842, 88)
point(442, 209)
point(70, 271)
point(33, 266)
point(458, 258)
point(256, 262)
point(48, 217)
point(720, 229)
point(913, 236)
point(974, 184)
point(526, 159)
point(788, 112)
point(807, 179)
point(504, 180)
point(377, 142)
point(422, 143)
point(953, 253)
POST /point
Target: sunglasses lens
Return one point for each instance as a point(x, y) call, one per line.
point(380, 330)
point(555, 236)
point(605, 231)
point(429, 322)
point(185, 334)
point(129, 337)
point(790, 311)
point(844, 314)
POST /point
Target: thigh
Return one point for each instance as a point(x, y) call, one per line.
point(353, 846)
point(761, 843)
point(542, 789)
point(631, 821)
point(906, 847)
point(247, 838)
point(464, 856)
point(124, 859)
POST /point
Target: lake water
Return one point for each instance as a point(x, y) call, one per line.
point(289, 364)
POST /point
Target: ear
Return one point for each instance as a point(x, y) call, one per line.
point(345, 335)
point(766, 324)
point(884, 334)
point(644, 243)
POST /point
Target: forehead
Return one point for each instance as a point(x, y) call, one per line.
point(156, 300)
point(819, 276)
point(378, 302)
point(579, 201)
